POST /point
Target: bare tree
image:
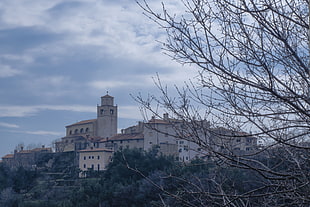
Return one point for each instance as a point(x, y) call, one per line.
point(253, 64)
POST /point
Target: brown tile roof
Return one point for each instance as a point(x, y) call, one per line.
point(8, 156)
point(96, 150)
point(92, 138)
point(119, 137)
point(83, 122)
point(41, 149)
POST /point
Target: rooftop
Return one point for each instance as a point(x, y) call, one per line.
point(83, 122)
point(119, 137)
point(96, 150)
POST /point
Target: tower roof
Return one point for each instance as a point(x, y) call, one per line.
point(107, 96)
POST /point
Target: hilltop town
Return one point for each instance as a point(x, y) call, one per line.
point(95, 141)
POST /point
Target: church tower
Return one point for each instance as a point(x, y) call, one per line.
point(106, 117)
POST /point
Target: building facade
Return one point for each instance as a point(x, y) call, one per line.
point(94, 159)
point(25, 158)
point(81, 134)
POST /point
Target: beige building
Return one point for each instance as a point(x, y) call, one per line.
point(81, 134)
point(95, 159)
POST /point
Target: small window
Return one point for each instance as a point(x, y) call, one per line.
point(76, 131)
point(89, 157)
point(81, 130)
point(101, 111)
point(93, 157)
point(248, 149)
point(84, 166)
point(98, 166)
point(70, 132)
point(92, 166)
point(121, 141)
point(86, 130)
point(98, 157)
point(238, 140)
point(84, 157)
point(111, 111)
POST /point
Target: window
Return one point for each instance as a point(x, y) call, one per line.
point(98, 166)
point(92, 157)
point(70, 132)
point(86, 130)
point(238, 140)
point(81, 130)
point(76, 131)
point(101, 111)
point(248, 149)
point(249, 140)
point(180, 150)
point(89, 157)
point(84, 157)
point(111, 111)
point(92, 166)
point(98, 157)
point(84, 166)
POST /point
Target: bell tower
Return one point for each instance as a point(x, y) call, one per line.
point(106, 117)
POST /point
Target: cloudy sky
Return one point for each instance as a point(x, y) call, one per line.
point(58, 57)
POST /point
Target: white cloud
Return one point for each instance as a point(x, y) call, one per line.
point(22, 58)
point(42, 132)
point(24, 111)
point(6, 71)
point(8, 125)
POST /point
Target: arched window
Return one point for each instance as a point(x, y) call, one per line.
point(76, 131)
point(86, 130)
point(81, 130)
point(70, 132)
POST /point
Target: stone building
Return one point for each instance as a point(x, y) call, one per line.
point(25, 158)
point(81, 134)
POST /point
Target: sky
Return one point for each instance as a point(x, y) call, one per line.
point(58, 57)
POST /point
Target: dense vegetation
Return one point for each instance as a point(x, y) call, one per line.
point(134, 178)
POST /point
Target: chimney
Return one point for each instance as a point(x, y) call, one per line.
point(165, 116)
